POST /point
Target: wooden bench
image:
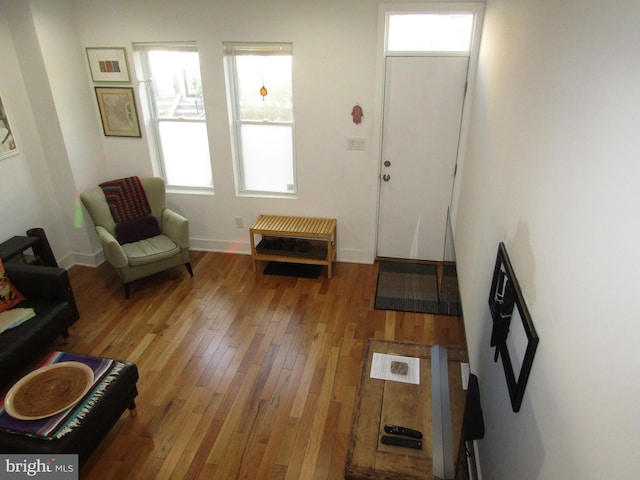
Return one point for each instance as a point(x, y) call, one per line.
point(294, 240)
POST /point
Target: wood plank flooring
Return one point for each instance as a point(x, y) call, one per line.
point(242, 375)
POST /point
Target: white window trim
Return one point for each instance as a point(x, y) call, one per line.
point(231, 50)
point(148, 104)
point(475, 8)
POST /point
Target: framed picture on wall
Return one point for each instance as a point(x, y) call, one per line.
point(108, 64)
point(8, 145)
point(513, 334)
point(118, 111)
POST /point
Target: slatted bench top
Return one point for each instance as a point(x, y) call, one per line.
point(294, 226)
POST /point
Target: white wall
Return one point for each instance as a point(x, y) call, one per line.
point(334, 68)
point(79, 160)
point(53, 120)
point(335, 61)
point(552, 170)
point(27, 195)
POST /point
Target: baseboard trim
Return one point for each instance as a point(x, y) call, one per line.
point(240, 248)
point(244, 248)
point(83, 259)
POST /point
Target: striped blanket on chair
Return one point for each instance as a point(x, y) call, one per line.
point(126, 199)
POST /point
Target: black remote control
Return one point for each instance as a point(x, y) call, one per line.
point(404, 431)
point(402, 442)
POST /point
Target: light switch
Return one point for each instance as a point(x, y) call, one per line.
point(354, 143)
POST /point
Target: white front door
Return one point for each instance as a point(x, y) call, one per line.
point(421, 127)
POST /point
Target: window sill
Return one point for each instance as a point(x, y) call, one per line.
point(285, 196)
point(190, 191)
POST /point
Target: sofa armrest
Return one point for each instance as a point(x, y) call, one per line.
point(42, 283)
point(176, 227)
point(112, 249)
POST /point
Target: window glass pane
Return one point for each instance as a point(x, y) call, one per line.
point(176, 82)
point(185, 151)
point(171, 73)
point(267, 158)
point(274, 73)
point(430, 32)
point(260, 92)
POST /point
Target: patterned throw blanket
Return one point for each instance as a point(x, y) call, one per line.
point(126, 199)
point(105, 371)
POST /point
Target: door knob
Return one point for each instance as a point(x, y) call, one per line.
point(386, 177)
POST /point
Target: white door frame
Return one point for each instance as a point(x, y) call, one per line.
point(386, 9)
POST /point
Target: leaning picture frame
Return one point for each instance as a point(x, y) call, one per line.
point(514, 341)
point(108, 64)
point(8, 147)
point(118, 111)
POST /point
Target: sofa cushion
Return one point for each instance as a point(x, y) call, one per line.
point(150, 250)
point(10, 296)
point(135, 230)
point(14, 317)
point(24, 343)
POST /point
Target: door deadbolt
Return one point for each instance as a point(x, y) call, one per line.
point(386, 177)
point(387, 163)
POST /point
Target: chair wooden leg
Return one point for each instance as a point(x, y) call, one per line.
point(188, 265)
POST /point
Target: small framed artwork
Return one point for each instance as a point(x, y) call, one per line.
point(108, 64)
point(118, 111)
point(8, 146)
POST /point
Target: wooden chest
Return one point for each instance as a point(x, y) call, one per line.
point(382, 402)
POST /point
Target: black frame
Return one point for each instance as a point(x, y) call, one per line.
point(505, 295)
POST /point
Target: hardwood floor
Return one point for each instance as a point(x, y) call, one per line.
point(242, 375)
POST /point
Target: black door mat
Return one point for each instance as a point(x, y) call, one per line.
point(412, 287)
point(299, 270)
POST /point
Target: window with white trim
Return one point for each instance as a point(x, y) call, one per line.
point(176, 112)
point(260, 96)
point(430, 32)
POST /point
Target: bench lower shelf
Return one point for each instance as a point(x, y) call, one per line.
point(296, 248)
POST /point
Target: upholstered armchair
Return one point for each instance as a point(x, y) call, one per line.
point(158, 239)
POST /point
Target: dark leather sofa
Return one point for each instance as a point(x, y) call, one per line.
point(48, 292)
